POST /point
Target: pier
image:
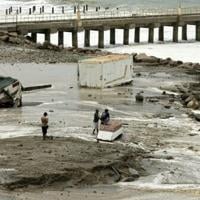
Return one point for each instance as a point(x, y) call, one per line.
point(103, 20)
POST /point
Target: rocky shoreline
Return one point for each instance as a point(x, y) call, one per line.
point(15, 48)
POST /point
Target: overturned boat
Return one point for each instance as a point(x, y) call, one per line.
point(10, 92)
point(110, 131)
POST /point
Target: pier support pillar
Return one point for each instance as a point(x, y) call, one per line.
point(101, 39)
point(75, 38)
point(126, 36)
point(198, 31)
point(161, 33)
point(47, 35)
point(151, 34)
point(112, 36)
point(175, 33)
point(184, 32)
point(60, 38)
point(137, 35)
point(87, 38)
point(34, 37)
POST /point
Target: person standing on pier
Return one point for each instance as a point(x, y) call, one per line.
point(44, 121)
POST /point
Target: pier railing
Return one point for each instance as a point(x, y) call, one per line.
point(36, 17)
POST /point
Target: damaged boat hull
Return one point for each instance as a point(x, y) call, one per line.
point(111, 131)
point(10, 92)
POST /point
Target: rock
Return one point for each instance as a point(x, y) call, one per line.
point(144, 58)
point(173, 63)
point(4, 38)
point(129, 179)
point(163, 115)
point(12, 34)
point(169, 157)
point(171, 100)
point(3, 33)
point(27, 41)
point(194, 104)
point(192, 134)
point(181, 88)
point(138, 74)
point(153, 100)
point(196, 116)
point(167, 106)
point(191, 148)
point(139, 97)
point(189, 98)
point(14, 40)
point(184, 96)
point(164, 62)
point(133, 172)
point(179, 62)
point(164, 93)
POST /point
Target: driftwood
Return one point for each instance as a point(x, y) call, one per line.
point(36, 87)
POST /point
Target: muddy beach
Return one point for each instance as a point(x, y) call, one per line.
point(160, 142)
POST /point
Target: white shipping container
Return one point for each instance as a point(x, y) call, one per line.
point(105, 71)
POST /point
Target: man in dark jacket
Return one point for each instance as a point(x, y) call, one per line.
point(96, 121)
point(105, 117)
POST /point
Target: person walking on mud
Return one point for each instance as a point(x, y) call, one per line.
point(44, 121)
point(96, 122)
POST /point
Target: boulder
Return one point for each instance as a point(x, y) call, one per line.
point(153, 100)
point(167, 106)
point(164, 62)
point(14, 40)
point(4, 38)
point(189, 98)
point(139, 97)
point(196, 116)
point(13, 34)
point(171, 100)
point(194, 104)
point(133, 172)
point(144, 58)
point(3, 33)
point(184, 96)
